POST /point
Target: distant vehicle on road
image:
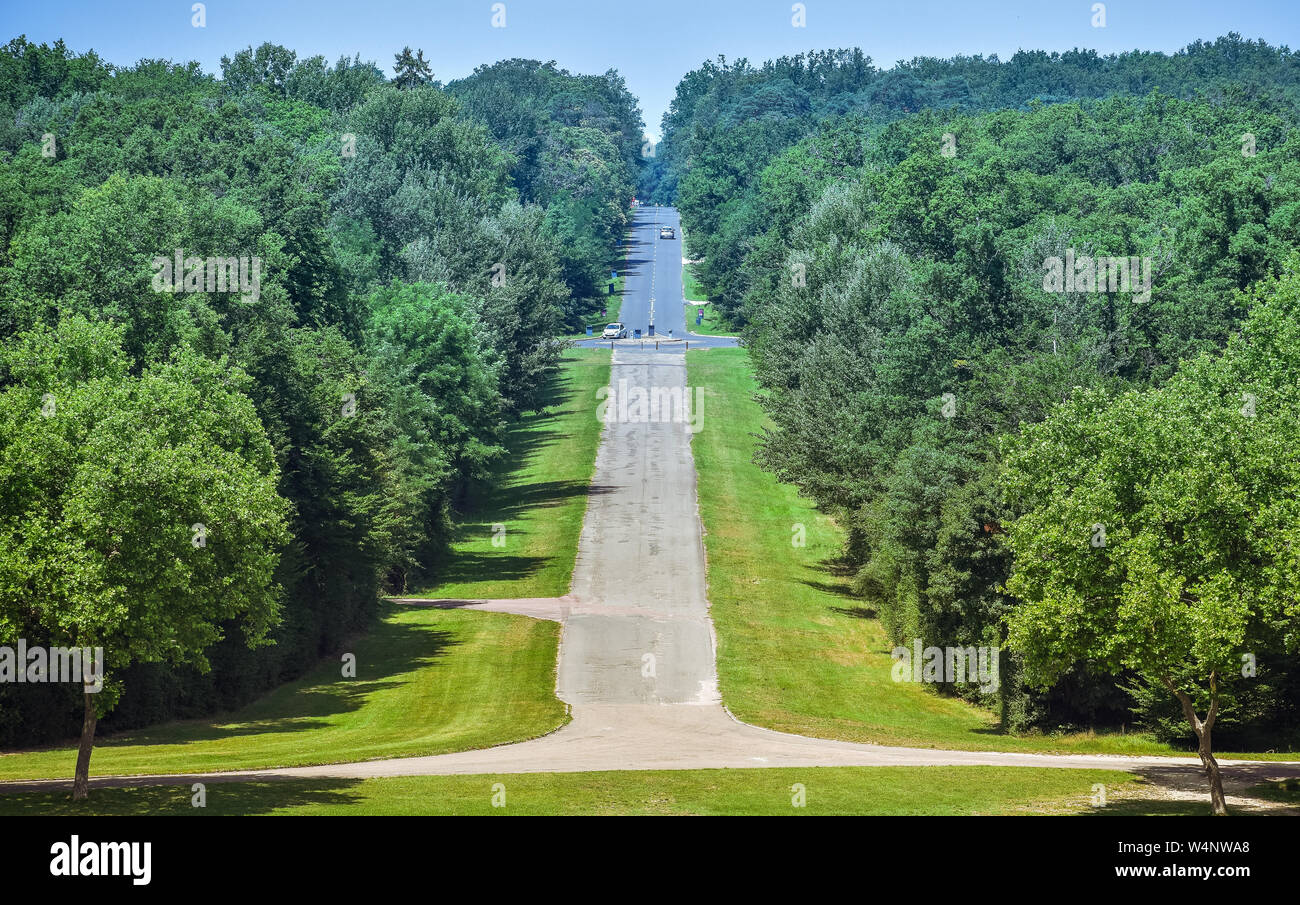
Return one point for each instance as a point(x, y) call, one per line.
point(615, 331)
point(667, 232)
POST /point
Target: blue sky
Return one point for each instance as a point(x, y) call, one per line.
point(652, 42)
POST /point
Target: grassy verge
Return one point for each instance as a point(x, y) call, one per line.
point(428, 681)
point(1286, 791)
point(712, 324)
point(828, 790)
point(691, 288)
point(614, 307)
point(795, 651)
point(539, 496)
point(613, 304)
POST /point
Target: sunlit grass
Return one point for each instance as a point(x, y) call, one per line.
point(796, 651)
point(428, 681)
point(535, 505)
point(825, 790)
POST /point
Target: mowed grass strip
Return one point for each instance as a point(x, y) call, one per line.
point(796, 652)
point(712, 324)
point(826, 790)
point(428, 681)
point(539, 496)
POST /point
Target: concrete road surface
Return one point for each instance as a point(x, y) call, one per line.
point(637, 663)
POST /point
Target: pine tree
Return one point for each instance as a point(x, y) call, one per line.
point(412, 69)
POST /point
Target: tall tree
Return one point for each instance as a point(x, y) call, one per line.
point(1161, 530)
point(143, 548)
point(412, 69)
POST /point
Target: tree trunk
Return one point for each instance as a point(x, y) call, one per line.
point(1203, 728)
point(1217, 800)
point(81, 779)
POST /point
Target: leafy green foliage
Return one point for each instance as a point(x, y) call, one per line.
point(415, 274)
point(887, 264)
point(99, 534)
point(1160, 529)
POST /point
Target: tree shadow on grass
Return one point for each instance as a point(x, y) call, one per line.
point(540, 495)
point(460, 566)
point(1149, 807)
point(385, 658)
point(857, 612)
point(1183, 790)
point(505, 498)
point(836, 569)
point(524, 440)
point(223, 798)
point(464, 567)
point(836, 589)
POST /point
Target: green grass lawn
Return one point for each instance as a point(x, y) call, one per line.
point(691, 289)
point(539, 495)
point(614, 307)
point(712, 324)
point(827, 790)
point(428, 681)
point(613, 304)
point(1286, 791)
point(796, 652)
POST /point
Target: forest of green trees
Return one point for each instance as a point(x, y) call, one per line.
point(1029, 329)
point(880, 238)
point(408, 254)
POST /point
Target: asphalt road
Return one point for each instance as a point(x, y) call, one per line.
point(653, 283)
point(637, 658)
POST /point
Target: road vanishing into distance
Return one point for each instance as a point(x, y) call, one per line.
point(653, 283)
point(637, 653)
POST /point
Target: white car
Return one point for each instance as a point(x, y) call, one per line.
point(614, 331)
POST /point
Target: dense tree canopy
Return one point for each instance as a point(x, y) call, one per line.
point(1160, 530)
point(883, 241)
point(411, 255)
